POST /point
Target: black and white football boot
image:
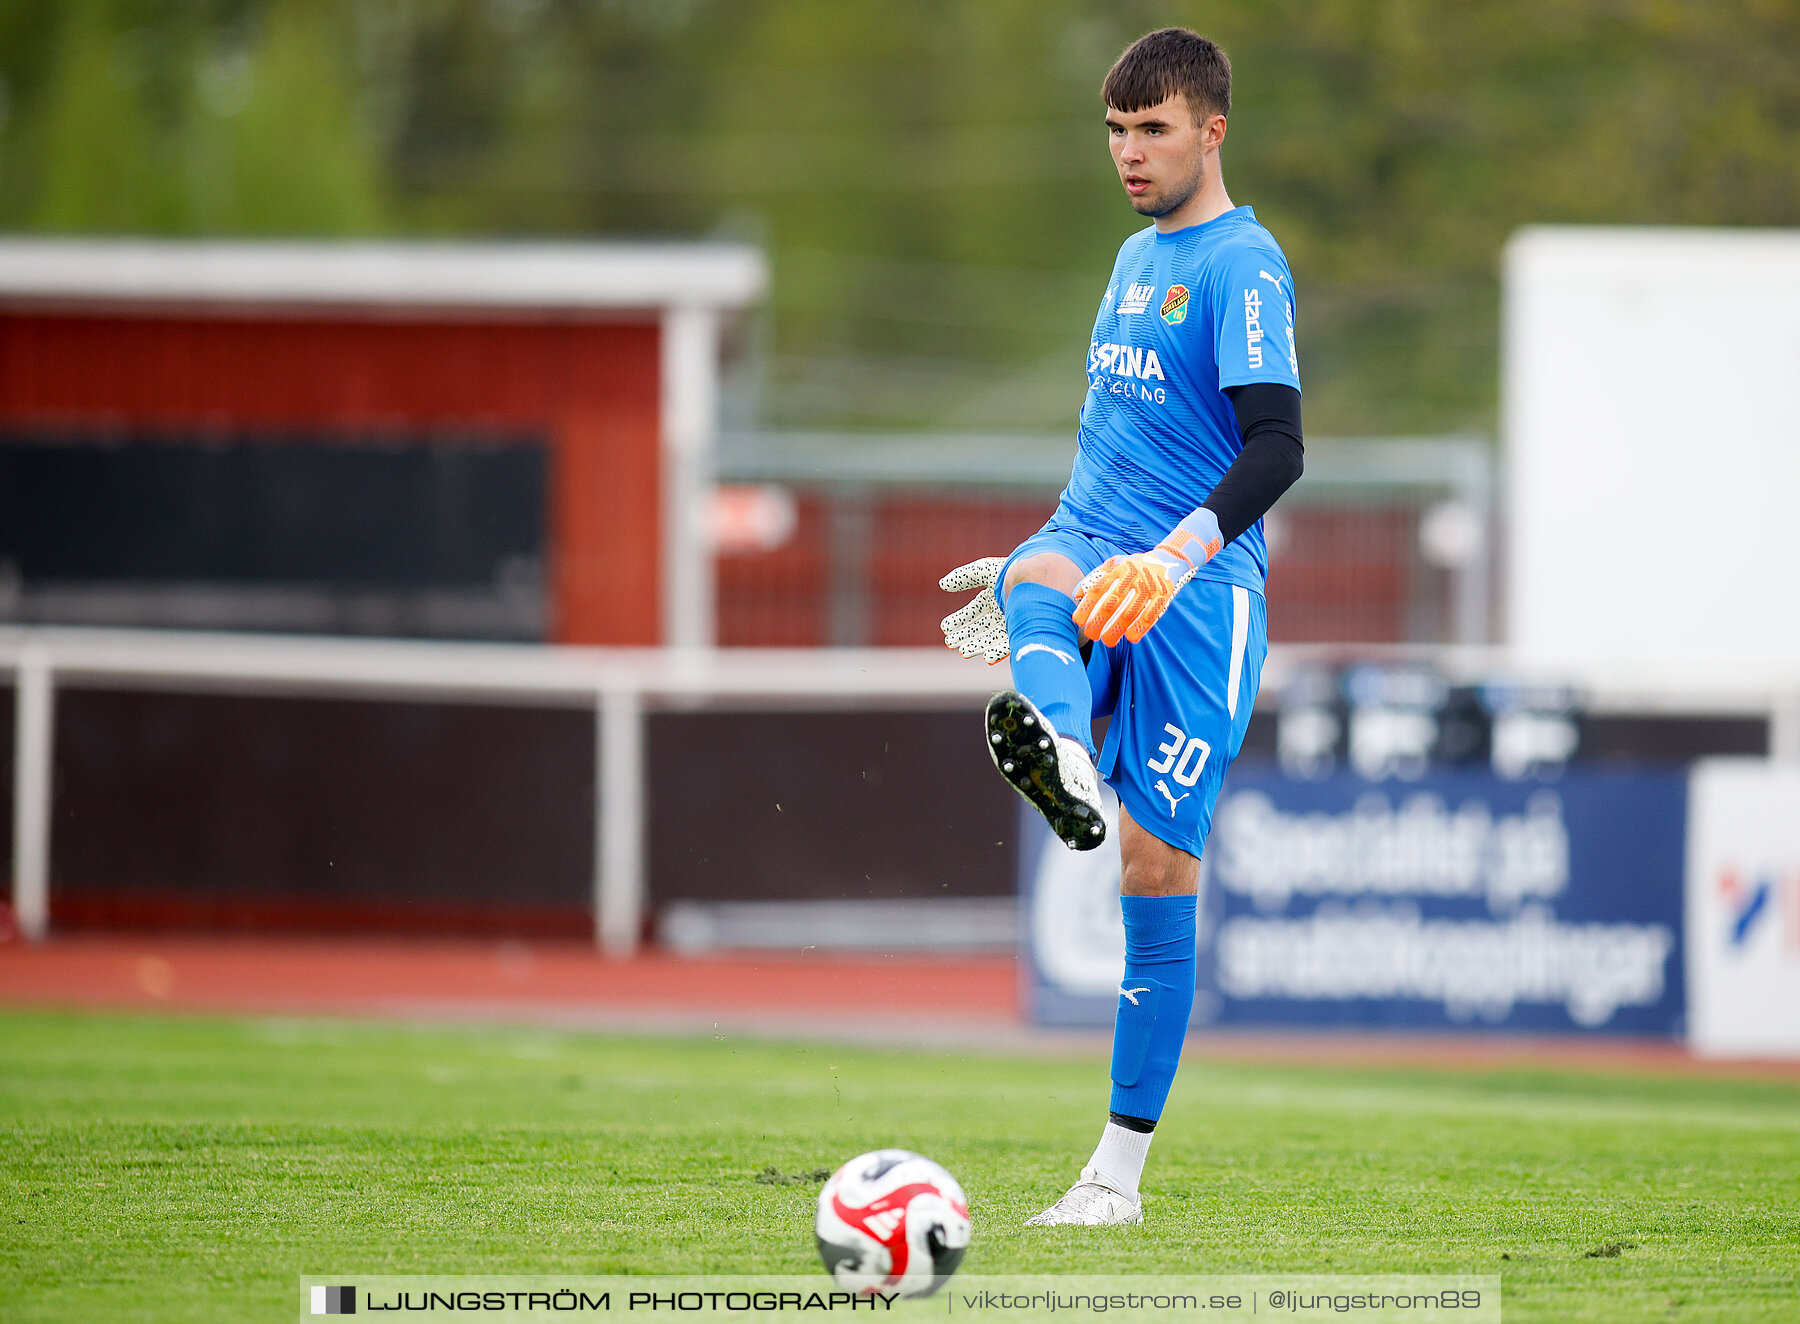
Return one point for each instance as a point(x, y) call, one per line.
point(1052, 772)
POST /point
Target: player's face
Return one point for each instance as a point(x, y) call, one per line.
point(1160, 153)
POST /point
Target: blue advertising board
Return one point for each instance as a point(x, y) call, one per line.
point(1458, 901)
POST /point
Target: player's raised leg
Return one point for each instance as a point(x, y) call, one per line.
point(1040, 732)
point(1158, 895)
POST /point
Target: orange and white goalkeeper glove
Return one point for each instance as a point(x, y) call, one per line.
point(1126, 595)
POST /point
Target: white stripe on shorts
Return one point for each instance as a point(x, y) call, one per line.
point(1240, 638)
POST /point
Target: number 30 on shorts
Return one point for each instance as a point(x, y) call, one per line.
point(1183, 756)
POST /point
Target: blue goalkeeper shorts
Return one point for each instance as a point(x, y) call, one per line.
point(1179, 699)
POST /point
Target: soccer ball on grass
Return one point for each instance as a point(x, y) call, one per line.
point(892, 1221)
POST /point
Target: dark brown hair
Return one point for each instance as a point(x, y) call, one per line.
point(1159, 64)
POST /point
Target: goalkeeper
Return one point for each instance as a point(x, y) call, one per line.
point(1142, 597)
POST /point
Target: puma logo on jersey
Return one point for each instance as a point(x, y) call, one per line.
point(1130, 994)
point(1057, 653)
point(1170, 796)
point(1287, 305)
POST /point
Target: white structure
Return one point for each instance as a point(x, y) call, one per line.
point(573, 277)
point(1651, 422)
point(1743, 909)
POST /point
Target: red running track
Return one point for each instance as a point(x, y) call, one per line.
point(887, 999)
point(562, 981)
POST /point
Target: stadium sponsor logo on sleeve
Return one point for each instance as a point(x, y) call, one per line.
point(1136, 299)
point(1253, 331)
point(1175, 305)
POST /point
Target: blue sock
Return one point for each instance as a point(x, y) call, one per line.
point(1152, 1022)
point(1046, 659)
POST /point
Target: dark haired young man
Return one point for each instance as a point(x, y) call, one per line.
point(1190, 431)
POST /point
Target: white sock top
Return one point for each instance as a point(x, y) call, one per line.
point(1118, 1159)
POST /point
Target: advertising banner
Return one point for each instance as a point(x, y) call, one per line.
point(1743, 916)
point(1460, 900)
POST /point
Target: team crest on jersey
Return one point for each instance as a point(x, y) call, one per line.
point(1174, 305)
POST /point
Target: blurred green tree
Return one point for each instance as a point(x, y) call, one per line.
point(293, 150)
point(929, 176)
point(100, 155)
point(202, 118)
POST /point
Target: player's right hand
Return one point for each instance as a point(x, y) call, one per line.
point(978, 628)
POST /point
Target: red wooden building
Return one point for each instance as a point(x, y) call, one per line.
point(602, 357)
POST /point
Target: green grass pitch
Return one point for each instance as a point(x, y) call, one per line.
point(166, 1168)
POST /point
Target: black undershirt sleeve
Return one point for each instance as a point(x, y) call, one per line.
point(1268, 415)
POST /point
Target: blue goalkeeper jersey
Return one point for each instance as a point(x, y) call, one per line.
point(1186, 315)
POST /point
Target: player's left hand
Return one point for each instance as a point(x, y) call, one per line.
point(1126, 595)
point(978, 628)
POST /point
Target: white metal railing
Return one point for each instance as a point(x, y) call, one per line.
point(619, 685)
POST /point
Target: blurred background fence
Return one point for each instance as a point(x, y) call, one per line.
point(1386, 542)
